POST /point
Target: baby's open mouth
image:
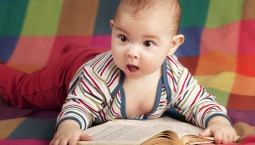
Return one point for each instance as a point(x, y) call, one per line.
point(132, 68)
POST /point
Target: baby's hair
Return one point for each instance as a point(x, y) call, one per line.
point(166, 8)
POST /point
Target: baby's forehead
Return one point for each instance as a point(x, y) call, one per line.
point(154, 17)
point(153, 10)
point(165, 9)
point(144, 25)
point(149, 6)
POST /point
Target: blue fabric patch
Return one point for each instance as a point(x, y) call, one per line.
point(8, 45)
point(36, 128)
point(105, 13)
point(191, 45)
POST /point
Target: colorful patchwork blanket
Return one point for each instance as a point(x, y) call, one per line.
point(219, 50)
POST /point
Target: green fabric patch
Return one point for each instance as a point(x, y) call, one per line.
point(221, 13)
point(221, 96)
point(194, 13)
point(12, 14)
point(42, 18)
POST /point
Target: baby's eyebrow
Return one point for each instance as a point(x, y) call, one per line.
point(152, 37)
point(145, 36)
point(118, 28)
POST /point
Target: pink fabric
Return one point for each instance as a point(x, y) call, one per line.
point(248, 140)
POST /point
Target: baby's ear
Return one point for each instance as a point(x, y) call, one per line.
point(111, 23)
point(176, 42)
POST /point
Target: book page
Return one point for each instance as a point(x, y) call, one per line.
point(112, 133)
point(166, 123)
point(128, 131)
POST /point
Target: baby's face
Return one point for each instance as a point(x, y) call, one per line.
point(140, 44)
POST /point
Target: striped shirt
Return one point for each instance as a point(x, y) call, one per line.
point(96, 94)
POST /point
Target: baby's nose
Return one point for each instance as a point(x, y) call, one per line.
point(133, 52)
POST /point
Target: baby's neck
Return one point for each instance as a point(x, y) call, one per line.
point(140, 94)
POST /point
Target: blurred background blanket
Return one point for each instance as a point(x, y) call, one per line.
point(219, 50)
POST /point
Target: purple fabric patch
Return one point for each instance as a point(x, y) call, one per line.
point(9, 112)
point(242, 116)
point(24, 142)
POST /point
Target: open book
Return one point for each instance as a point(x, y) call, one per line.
point(163, 130)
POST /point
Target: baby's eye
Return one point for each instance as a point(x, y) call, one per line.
point(148, 43)
point(123, 38)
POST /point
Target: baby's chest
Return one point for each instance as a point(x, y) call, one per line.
point(138, 104)
point(144, 103)
point(122, 106)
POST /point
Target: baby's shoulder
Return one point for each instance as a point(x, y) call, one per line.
point(101, 62)
point(173, 64)
point(102, 66)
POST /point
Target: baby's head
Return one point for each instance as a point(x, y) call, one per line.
point(167, 10)
point(144, 33)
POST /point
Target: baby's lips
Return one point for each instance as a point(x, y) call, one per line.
point(132, 68)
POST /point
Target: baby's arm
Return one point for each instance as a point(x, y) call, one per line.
point(221, 129)
point(205, 112)
point(79, 111)
point(71, 122)
point(68, 132)
point(199, 107)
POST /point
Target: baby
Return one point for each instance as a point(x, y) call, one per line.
point(139, 78)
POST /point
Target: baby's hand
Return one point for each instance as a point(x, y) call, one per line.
point(221, 129)
point(68, 133)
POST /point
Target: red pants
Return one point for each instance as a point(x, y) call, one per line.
point(48, 87)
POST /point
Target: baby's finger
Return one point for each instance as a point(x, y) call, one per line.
point(63, 142)
point(54, 142)
point(85, 137)
point(206, 132)
point(236, 138)
point(218, 138)
point(72, 141)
